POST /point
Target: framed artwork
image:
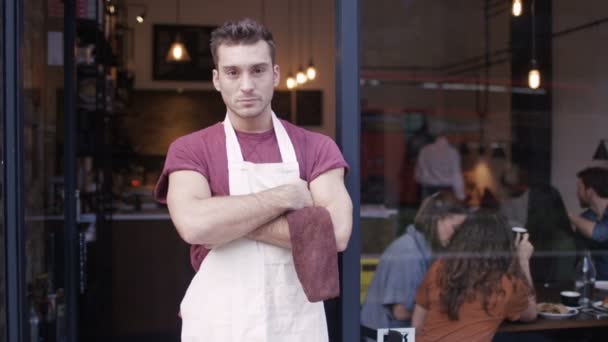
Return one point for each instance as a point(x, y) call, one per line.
point(281, 104)
point(309, 107)
point(196, 39)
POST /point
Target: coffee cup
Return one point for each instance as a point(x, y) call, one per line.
point(519, 230)
point(570, 298)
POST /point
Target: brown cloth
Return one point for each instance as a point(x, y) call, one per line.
point(315, 257)
point(313, 245)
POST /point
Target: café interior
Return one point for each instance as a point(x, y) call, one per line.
point(517, 88)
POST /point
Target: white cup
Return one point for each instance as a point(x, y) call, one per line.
point(519, 230)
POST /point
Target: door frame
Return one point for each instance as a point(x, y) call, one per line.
point(348, 128)
point(12, 37)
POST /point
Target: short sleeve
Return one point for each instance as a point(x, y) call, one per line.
point(518, 301)
point(402, 274)
point(600, 232)
point(180, 156)
point(423, 294)
point(327, 157)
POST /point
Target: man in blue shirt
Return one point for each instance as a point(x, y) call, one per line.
point(592, 193)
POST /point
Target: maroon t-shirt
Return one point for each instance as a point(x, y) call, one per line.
point(204, 151)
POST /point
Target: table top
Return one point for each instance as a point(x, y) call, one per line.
point(551, 294)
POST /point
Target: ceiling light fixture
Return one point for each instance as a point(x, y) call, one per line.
point(311, 71)
point(141, 17)
point(534, 77)
point(300, 75)
point(516, 8)
point(601, 153)
point(178, 51)
point(291, 81)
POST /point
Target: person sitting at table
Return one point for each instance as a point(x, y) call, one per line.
point(483, 279)
point(592, 224)
point(549, 228)
point(389, 301)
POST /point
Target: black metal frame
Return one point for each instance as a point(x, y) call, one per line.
point(348, 128)
point(71, 230)
point(13, 177)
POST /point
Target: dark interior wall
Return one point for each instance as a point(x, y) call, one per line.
point(155, 118)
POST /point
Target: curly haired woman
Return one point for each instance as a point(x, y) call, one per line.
point(484, 279)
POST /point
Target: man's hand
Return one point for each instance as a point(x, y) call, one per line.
point(298, 195)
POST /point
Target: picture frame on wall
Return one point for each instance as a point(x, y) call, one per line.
point(309, 107)
point(196, 40)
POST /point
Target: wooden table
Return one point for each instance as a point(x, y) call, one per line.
point(551, 294)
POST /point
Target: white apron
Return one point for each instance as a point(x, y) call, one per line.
point(247, 290)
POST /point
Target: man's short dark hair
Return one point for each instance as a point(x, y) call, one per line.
point(595, 178)
point(245, 31)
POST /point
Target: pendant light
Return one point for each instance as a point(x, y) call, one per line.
point(178, 51)
point(311, 71)
point(534, 78)
point(601, 153)
point(300, 76)
point(516, 8)
point(291, 81)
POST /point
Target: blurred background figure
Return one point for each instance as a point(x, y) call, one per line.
point(592, 224)
point(438, 166)
point(555, 247)
point(515, 204)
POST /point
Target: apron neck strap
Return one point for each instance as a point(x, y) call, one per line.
point(233, 148)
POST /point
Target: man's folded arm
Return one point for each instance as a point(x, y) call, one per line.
point(328, 192)
point(201, 219)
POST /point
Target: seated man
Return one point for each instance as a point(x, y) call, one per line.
point(592, 192)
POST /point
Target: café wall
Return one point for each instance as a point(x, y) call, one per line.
point(399, 39)
point(197, 12)
point(580, 105)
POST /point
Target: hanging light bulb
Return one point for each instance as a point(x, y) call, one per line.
point(534, 73)
point(534, 77)
point(311, 72)
point(291, 82)
point(178, 51)
point(141, 17)
point(301, 76)
point(516, 8)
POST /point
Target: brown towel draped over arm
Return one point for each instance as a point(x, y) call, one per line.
point(313, 245)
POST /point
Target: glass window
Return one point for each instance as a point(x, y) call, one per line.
point(42, 75)
point(496, 105)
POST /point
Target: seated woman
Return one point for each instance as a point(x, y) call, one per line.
point(553, 238)
point(483, 279)
point(390, 297)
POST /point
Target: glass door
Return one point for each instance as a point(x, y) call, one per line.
point(43, 177)
point(63, 136)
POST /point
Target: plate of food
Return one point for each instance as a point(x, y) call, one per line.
point(555, 311)
point(601, 304)
point(601, 285)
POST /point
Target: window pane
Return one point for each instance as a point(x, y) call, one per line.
point(501, 111)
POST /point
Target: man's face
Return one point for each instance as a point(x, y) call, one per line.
point(246, 78)
point(582, 194)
